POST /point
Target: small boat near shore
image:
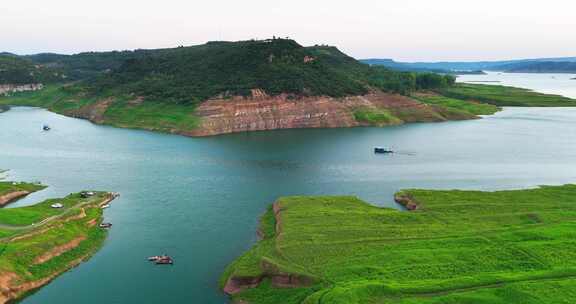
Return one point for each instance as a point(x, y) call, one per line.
point(46, 128)
point(105, 206)
point(105, 225)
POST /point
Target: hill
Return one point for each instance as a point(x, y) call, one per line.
point(540, 67)
point(16, 70)
point(87, 65)
point(276, 66)
point(451, 247)
point(457, 66)
point(225, 87)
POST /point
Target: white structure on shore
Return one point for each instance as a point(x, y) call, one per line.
point(6, 89)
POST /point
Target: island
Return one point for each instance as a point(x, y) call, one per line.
point(228, 87)
point(447, 246)
point(42, 241)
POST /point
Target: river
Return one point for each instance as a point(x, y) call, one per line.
point(198, 199)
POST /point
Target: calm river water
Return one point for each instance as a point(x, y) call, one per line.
point(198, 199)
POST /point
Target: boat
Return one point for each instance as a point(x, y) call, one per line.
point(164, 261)
point(154, 258)
point(46, 128)
point(105, 206)
point(380, 150)
point(105, 225)
point(161, 260)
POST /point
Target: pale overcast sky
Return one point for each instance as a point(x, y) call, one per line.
point(407, 30)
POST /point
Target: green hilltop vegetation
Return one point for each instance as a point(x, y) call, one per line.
point(454, 247)
point(39, 242)
point(17, 70)
point(196, 73)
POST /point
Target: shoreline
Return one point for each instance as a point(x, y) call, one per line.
point(84, 214)
point(268, 113)
point(12, 197)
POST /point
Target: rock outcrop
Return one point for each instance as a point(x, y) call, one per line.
point(262, 112)
point(407, 201)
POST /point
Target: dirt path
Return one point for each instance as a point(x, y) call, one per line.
point(58, 250)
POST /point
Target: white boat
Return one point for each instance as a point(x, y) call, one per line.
point(105, 206)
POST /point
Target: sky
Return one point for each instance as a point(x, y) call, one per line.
point(405, 30)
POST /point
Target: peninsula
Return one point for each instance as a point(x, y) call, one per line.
point(448, 247)
point(42, 241)
point(227, 87)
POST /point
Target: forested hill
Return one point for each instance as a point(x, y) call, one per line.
point(193, 74)
point(16, 70)
point(88, 64)
point(196, 73)
point(541, 67)
point(197, 90)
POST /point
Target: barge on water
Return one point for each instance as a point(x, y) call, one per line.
point(381, 150)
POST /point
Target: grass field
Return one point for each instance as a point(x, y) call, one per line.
point(458, 106)
point(38, 243)
point(457, 247)
point(376, 117)
point(8, 187)
point(505, 96)
point(149, 115)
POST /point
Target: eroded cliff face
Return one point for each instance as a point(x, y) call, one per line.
point(263, 112)
point(6, 89)
point(271, 113)
point(260, 112)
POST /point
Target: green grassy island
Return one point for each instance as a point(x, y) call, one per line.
point(39, 242)
point(449, 247)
